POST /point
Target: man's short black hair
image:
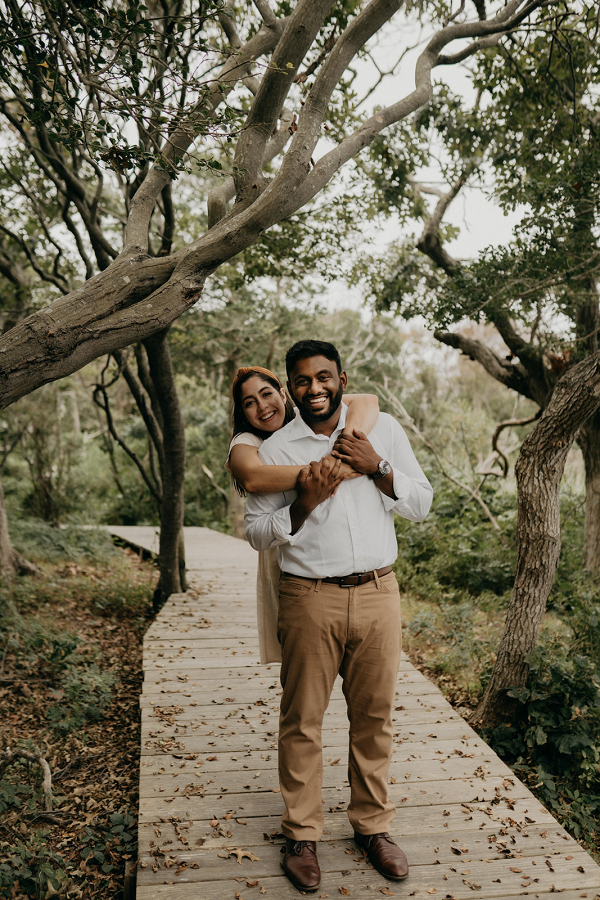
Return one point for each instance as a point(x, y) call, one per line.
point(306, 349)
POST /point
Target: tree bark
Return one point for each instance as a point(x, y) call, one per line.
point(171, 560)
point(11, 562)
point(589, 441)
point(539, 471)
point(7, 556)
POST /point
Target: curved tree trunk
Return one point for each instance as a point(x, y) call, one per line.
point(589, 441)
point(539, 471)
point(171, 560)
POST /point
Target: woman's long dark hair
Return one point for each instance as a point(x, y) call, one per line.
point(239, 422)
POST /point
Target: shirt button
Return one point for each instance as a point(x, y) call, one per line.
point(347, 497)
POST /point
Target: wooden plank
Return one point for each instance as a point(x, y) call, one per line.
point(234, 830)
point(265, 777)
point(180, 713)
point(232, 743)
point(487, 864)
point(485, 880)
point(407, 757)
point(267, 803)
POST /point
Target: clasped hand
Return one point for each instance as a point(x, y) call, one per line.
point(319, 480)
point(357, 451)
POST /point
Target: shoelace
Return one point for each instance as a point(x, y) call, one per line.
point(299, 847)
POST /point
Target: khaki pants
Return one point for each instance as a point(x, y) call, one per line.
point(323, 630)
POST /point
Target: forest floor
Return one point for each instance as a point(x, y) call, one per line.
point(70, 680)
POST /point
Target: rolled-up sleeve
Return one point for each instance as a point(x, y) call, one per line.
point(413, 491)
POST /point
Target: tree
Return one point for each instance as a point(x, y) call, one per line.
point(79, 80)
point(551, 268)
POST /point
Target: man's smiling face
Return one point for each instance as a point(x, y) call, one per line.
point(317, 388)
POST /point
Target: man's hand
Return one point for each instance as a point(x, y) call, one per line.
point(357, 451)
point(316, 482)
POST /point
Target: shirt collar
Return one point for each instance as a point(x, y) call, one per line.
point(299, 428)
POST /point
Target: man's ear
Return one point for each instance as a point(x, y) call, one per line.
point(344, 380)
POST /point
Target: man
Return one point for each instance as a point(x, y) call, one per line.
point(339, 604)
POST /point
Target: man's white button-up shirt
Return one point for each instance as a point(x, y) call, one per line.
point(352, 531)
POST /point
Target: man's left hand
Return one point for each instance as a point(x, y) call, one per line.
point(356, 450)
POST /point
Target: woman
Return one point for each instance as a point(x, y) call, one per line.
point(261, 407)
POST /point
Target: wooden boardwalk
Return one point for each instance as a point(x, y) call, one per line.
point(209, 796)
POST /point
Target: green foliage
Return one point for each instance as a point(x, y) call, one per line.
point(554, 735)
point(41, 542)
point(456, 552)
point(32, 867)
point(85, 692)
point(101, 845)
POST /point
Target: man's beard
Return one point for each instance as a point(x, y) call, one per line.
point(334, 404)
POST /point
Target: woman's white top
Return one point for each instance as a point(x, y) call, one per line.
point(267, 580)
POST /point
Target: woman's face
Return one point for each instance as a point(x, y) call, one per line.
point(263, 405)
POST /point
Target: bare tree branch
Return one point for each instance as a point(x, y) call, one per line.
point(507, 373)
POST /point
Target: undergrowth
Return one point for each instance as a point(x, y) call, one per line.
point(456, 572)
point(70, 641)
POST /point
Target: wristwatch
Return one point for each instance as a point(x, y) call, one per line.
point(383, 469)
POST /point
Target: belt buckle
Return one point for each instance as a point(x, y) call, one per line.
point(342, 584)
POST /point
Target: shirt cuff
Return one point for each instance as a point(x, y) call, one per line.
point(399, 486)
point(281, 523)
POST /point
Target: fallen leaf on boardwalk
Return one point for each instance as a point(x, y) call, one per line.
point(393, 780)
point(275, 791)
point(214, 823)
point(513, 869)
point(386, 891)
point(432, 890)
point(252, 883)
point(568, 857)
point(211, 758)
point(264, 891)
point(344, 891)
point(336, 761)
point(238, 896)
point(455, 850)
point(240, 854)
point(580, 869)
point(241, 822)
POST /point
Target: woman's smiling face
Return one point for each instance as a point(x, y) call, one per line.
point(263, 405)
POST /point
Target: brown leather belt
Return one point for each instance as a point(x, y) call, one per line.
point(345, 581)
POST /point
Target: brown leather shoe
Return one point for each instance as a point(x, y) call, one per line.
point(383, 854)
point(301, 866)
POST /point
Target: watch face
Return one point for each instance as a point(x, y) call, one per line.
point(384, 467)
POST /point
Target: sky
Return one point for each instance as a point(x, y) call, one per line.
point(481, 221)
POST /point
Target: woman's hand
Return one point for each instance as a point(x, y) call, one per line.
point(345, 470)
